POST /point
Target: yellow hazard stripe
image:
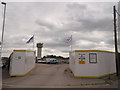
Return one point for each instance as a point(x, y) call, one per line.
point(95, 76)
point(22, 50)
point(93, 51)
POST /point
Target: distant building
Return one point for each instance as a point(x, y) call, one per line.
point(39, 50)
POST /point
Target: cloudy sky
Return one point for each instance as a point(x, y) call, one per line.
point(90, 24)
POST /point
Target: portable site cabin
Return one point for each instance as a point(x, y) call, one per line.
point(21, 62)
point(92, 63)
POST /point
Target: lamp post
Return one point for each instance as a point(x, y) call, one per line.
point(3, 26)
point(116, 48)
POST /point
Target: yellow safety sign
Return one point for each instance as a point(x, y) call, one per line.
point(81, 62)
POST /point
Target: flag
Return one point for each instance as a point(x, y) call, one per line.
point(30, 40)
point(69, 40)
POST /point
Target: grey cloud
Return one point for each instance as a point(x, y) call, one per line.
point(65, 51)
point(85, 19)
point(55, 45)
point(48, 50)
point(76, 10)
point(89, 46)
point(79, 20)
point(17, 41)
point(105, 24)
point(110, 41)
point(45, 24)
point(77, 6)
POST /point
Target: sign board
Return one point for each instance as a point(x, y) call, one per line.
point(81, 58)
point(92, 58)
point(81, 62)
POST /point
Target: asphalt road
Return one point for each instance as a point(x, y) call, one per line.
point(50, 76)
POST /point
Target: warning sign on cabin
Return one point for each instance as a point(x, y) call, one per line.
point(81, 58)
point(81, 62)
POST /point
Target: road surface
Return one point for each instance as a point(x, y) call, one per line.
point(50, 76)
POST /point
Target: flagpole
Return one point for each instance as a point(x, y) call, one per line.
point(71, 43)
point(3, 27)
point(33, 42)
point(71, 47)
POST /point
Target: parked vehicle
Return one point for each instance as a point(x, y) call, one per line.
point(51, 61)
point(41, 61)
